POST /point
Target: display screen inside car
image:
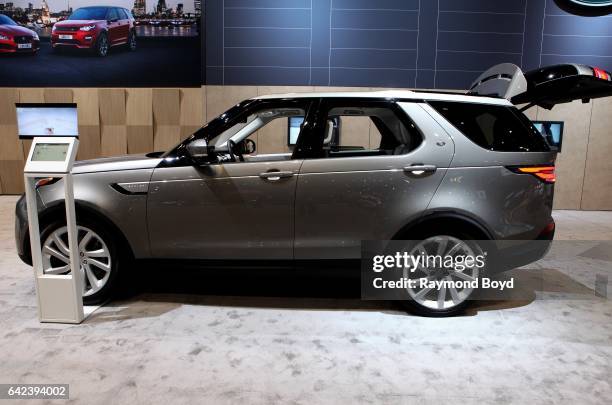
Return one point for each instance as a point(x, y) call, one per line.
point(50, 120)
point(295, 124)
point(552, 131)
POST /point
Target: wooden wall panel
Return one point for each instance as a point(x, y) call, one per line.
point(112, 106)
point(597, 190)
point(166, 106)
point(11, 176)
point(8, 99)
point(58, 95)
point(139, 109)
point(88, 106)
point(89, 142)
point(191, 111)
point(166, 136)
point(220, 98)
point(139, 138)
point(31, 95)
point(166, 118)
point(113, 140)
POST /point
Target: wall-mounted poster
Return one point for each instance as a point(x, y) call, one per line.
point(107, 43)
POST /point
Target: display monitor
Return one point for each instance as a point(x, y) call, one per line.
point(47, 120)
point(295, 125)
point(552, 131)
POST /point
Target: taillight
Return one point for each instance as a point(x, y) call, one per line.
point(601, 74)
point(544, 173)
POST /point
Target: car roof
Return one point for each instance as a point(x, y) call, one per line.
point(394, 94)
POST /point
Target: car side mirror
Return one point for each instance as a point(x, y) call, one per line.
point(198, 149)
point(249, 147)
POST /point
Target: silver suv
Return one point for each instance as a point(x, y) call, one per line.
point(355, 166)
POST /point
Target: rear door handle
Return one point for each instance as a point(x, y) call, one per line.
point(275, 176)
point(419, 170)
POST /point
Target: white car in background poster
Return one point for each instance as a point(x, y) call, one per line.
point(47, 120)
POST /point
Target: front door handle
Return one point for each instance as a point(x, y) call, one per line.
point(275, 176)
point(419, 170)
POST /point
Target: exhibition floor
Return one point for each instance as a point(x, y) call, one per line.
point(236, 345)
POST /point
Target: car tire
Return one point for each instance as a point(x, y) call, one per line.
point(100, 255)
point(131, 44)
point(443, 302)
point(102, 46)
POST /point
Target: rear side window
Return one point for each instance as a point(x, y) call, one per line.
point(493, 127)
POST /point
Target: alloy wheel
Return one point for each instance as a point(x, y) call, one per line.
point(445, 297)
point(103, 47)
point(94, 257)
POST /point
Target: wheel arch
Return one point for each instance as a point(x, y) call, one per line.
point(51, 213)
point(456, 220)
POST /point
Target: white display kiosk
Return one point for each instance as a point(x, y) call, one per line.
point(60, 297)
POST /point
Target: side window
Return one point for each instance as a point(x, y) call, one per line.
point(123, 15)
point(368, 128)
point(112, 14)
point(493, 127)
point(268, 127)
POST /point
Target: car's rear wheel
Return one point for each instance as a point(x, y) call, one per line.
point(102, 45)
point(451, 296)
point(132, 41)
point(99, 257)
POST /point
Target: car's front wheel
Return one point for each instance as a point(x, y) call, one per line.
point(99, 258)
point(447, 291)
point(102, 45)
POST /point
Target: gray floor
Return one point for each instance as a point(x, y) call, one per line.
point(554, 346)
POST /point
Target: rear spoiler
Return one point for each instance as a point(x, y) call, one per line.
point(544, 87)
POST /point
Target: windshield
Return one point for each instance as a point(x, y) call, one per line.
point(220, 121)
point(89, 13)
point(4, 20)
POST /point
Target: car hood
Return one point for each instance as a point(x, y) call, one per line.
point(126, 162)
point(70, 23)
point(15, 30)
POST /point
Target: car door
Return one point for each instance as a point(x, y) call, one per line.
point(114, 26)
point(368, 186)
point(124, 25)
point(225, 210)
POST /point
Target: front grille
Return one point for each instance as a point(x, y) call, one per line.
point(23, 40)
point(67, 29)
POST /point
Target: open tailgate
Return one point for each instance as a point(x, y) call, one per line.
point(546, 86)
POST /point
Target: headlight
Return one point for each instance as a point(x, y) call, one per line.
point(53, 29)
point(4, 37)
point(87, 28)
